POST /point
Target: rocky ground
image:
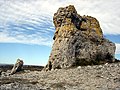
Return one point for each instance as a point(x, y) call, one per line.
point(97, 77)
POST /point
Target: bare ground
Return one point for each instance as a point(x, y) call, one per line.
point(97, 77)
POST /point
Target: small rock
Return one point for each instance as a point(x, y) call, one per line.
point(17, 66)
point(106, 64)
point(100, 66)
point(89, 66)
point(79, 67)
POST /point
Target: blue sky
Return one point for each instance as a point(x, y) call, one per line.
point(26, 26)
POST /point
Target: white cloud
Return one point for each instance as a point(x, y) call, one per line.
point(36, 16)
point(117, 48)
point(26, 39)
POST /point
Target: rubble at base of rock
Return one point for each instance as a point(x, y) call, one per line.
point(78, 40)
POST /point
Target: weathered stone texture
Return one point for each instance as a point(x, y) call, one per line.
point(78, 40)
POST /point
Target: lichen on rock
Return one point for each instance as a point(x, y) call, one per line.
point(78, 40)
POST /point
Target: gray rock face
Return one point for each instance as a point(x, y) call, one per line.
point(17, 66)
point(78, 41)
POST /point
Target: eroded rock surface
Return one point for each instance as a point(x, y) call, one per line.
point(78, 40)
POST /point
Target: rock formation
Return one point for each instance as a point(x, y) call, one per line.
point(78, 40)
point(17, 66)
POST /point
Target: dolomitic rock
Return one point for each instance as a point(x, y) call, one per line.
point(78, 40)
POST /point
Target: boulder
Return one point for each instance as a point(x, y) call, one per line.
point(78, 40)
point(17, 66)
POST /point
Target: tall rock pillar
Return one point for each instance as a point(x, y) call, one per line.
point(78, 40)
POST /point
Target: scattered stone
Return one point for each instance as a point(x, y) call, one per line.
point(78, 41)
point(106, 78)
point(17, 66)
point(79, 67)
point(106, 64)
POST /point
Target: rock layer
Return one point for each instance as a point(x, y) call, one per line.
point(78, 40)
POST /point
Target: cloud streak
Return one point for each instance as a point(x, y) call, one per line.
point(30, 21)
point(23, 23)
